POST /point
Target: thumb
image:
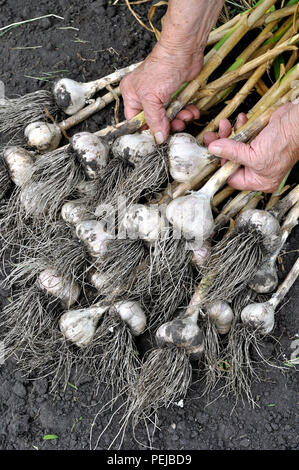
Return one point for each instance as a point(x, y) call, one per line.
point(234, 151)
point(156, 119)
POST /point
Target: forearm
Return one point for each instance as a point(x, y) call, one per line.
point(187, 24)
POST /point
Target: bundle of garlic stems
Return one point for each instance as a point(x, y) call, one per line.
point(68, 95)
point(182, 339)
point(157, 179)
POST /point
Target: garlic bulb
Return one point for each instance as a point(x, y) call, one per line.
point(131, 313)
point(94, 235)
point(79, 326)
point(221, 314)
point(100, 282)
point(50, 281)
point(20, 164)
point(43, 136)
point(74, 212)
point(182, 332)
point(191, 217)
point(134, 146)
point(200, 254)
point(264, 223)
point(186, 157)
point(259, 315)
point(265, 279)
point(92, 152)
point(71, 96)
point(145, 222)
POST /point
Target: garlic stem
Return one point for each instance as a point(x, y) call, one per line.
point(285, 286)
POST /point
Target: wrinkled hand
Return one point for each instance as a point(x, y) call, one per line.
point(151, 85)
point(268, 158)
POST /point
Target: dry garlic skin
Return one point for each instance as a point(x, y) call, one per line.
point(43, 136)
point(94, 235)
point(20, 164)
point(71, 96)
point(92, 152)
point(191, 216)
point(186, 157)
point(50, 281)
point(132, 314)
point(260, 315)
point(134, 146)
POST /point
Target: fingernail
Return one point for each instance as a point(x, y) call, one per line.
point(215, 150)
point(159, 138)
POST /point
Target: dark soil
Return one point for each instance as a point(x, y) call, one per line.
point(112, 39)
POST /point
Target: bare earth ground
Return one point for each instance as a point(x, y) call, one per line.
point(108, 37)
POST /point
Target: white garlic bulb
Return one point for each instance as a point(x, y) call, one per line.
point(144, 222)
point(43, 136)
point(94, 235)
point(186, 157)
point(131, 313)
point(92, 152)
point(50, 281)
point(259, 315)
point(20, 164)
point(74, 212)
point(182, 332)
point(200, 254)
point(71, 96)
point(221, 314)
point(191, 216)
point(79, 326)
point(134, 146)
point(263, 222)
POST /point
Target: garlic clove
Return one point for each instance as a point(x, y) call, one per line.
point(79, 326)
point(132, 314)
point(221, 314)
point(71, 96)
point(94, 235)
point(200, 254)
point(191, 216)
point(43, 136)
point(186, 157)
point(134, 146)
point(20, 164)
point(50, 281)
point(92, 152)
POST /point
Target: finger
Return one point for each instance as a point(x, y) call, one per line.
point(156, 118)
point(225, 128)
point(185, 115)
point(241, 120)
point(209, 137)
point(178, 125)
point(234, 151)
point(194, 110)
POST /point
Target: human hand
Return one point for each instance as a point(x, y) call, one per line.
point(151, 85)
point(270, 155)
